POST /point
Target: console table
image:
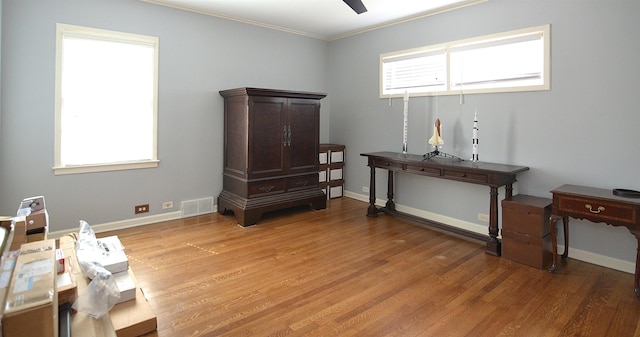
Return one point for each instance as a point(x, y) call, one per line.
point(482, 173)
point(596, 205)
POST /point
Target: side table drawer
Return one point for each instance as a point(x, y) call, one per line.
point(597, 210)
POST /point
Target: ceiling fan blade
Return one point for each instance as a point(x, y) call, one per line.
point(356, 5)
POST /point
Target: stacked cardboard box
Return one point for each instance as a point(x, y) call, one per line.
point(114, 259)
point(31, 295)
point(130, 318)
point(32, 269)
point(7, 264)
point(31, 222)
point(65, 280)
point(113, 256)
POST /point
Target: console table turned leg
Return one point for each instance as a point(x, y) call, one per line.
point(390, 205)
point(636, 283)
point(493, 244)
point(554, 239)
point(565, 228)
point(372, 211)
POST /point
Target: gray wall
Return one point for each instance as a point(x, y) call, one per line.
point(199, 55)
point(583, 131)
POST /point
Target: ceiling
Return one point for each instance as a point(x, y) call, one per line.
point(322, 19)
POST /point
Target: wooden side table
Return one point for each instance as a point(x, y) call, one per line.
point(596, 205)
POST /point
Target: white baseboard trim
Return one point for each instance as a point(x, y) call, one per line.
point(469, 226)
point(599, 260)
point(111, 226)
point(574, 253)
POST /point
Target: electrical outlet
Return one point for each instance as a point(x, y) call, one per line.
point(483, 217)
point(141, 209)
point(365, 189)
point(167, 204)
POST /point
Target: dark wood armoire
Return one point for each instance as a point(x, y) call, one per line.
point(271, 146)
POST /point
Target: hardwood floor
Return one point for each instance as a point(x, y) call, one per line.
point(336, 272)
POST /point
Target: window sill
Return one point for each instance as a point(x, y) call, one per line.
point(62, 170)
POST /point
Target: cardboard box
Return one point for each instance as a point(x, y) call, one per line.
point(67, 287)
point(6, 236)
point(114, 258)
point(19, 233)
point(35, 212)
point(6, 222)
point(37, 234)
point(7, 265)
point(31, 205)
point(126, 285)
point(133, 318)
point(32, 295)
point(37, 220)
point(128, 319)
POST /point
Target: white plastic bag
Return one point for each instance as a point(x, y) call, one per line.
point(102, 292)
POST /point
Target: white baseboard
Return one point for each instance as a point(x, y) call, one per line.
point(111, 226)
point(599, 260)
point(578, 254)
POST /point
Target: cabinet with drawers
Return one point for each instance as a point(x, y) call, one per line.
point(525, 230)
point(271, 144)
point(331, 174)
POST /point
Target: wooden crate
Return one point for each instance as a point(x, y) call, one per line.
point(525, 230)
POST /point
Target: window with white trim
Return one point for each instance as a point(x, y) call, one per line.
point(106, 100)
point(511, 61)
point(419, 70)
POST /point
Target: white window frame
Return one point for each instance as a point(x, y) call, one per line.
point(71, 31)
point(451, 86)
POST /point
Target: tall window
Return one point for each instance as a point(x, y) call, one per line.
point(106, 100)
point(511, 61)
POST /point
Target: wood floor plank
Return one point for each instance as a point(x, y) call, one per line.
point(336, 272)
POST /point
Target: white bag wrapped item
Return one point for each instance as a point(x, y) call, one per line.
point(102, 292)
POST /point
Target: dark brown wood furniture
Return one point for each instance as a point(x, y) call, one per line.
point(482, 173)
point(525, 231)
point(596, 205)
point(271, 144)
point(331, 175)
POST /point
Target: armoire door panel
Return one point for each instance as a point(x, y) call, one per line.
point(303, 119)
point(267, 121)
point(235, 142)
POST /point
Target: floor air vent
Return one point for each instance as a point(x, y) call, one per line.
point(197, 207)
